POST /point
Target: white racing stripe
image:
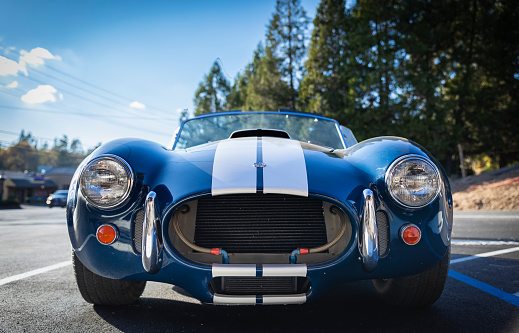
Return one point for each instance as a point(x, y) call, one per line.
point(285, 270)
point(234, 300)
point(233, 167)
point(285, 170)
point(284, 299)
point(34, 272)
point(485, 255)
point(233, 270)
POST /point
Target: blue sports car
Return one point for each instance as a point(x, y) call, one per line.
point(260, 208)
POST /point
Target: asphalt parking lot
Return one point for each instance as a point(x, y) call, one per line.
point(38, 292)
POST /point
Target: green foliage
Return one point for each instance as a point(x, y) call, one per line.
point(25, 155)
point(260, 86)
point(325, 87)
point(441, 73)
point(265, 89)
point(286, 34)
point(184, 115)
point(212, 92)
point(438, 72)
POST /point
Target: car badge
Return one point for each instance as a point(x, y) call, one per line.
point(260, 165)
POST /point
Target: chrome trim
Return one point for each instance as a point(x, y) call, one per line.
point(152, 244)
point(389, 175)
point(368, 232)
point(219, 299)
point(125, 165)
point(113, 227)
point(401, 233)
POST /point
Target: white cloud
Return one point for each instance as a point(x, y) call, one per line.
point(36, 57)
point(10, 67)
point(41, 94)
point(137, 105)
point(13, 84)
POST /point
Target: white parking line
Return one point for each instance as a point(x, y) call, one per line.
point(484, 255)
point(34, 272)
point(463, 242)
point(493, 217)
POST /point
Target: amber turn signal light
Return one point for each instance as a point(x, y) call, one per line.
point(106, 234)
point(410, 234)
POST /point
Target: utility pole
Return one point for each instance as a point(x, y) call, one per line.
point(462, 162)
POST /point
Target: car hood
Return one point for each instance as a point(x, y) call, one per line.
point(261, 165)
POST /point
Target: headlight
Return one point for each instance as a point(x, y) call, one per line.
point(413, 181)
point(106, 181)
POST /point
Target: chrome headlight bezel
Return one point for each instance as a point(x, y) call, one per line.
point(407, 158)
point(129, 186)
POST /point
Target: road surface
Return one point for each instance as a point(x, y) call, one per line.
point(38, 292)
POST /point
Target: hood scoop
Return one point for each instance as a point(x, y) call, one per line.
point(258, 133)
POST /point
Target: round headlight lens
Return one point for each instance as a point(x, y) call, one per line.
point(413, 181)
point(106, 181)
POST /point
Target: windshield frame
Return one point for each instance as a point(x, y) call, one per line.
point(176, 135)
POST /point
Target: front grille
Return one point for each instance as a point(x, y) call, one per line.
point(138, 220)
point(383, 233)
point(259, 285)
point(260, 223)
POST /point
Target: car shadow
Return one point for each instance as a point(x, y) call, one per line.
point(352, 307)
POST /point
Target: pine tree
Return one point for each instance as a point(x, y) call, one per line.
point(212, 92)
point(260, 86)
point(324, 88)
point(286, 34)
point(266, 91)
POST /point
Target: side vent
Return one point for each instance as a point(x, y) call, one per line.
point(383, 233)
point(138, 219)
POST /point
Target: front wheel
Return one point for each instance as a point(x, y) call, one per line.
point(99, 290)
point(420, 290)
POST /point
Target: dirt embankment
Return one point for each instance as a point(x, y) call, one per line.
point(493, 190)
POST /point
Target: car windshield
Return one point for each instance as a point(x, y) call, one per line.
point(61, 192)
point(303, 128)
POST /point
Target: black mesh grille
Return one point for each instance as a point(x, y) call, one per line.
point(260, 223)
point(259, 285)
point(138, 218)
point(383, 233)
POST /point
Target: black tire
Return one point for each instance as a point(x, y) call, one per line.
point(419, 290)
point(99, 290)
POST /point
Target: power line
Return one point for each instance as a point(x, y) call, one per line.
point(94, 102)
point(82, 81)
point(96, 116)
point(79, 112)
point(18, 134)
point(223, 67)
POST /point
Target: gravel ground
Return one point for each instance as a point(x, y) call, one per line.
point(493, 190)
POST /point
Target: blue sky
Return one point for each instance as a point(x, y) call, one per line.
point(150, 54)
